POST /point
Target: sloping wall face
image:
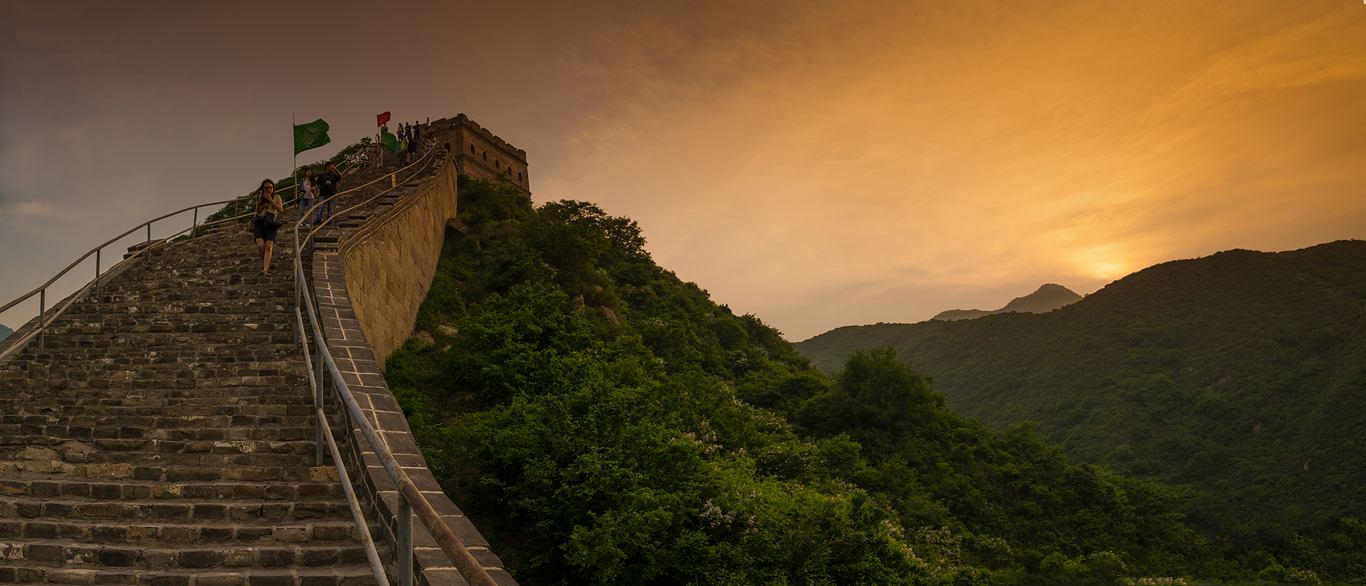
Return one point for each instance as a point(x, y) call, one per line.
point(390, 263)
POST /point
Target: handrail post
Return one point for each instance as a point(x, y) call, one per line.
point(318, 398)
point(194, 224)
point(404, 541)
point(149, 234)
point(42, 311)
point(97, 275)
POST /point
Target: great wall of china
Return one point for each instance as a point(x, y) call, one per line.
point(164, 432)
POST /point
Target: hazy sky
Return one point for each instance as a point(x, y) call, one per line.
point(817, 164)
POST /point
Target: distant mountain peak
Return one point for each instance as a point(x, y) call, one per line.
point(1050, 296)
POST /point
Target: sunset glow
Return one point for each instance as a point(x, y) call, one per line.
point(881, 162)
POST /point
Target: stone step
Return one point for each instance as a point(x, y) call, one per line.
point(55, 346)
point(14, 463)
point(117, 327)
point(35, 447)
point(61, 471)
point(354, 575)
point(125, 382)
point(189, 410)
point(144, 490)
point(105, 356)
point(175, 511)
point(134, 426)
point(163, 535)
point(156, 399)
point(38, 400)
point(42, 554)
point(130, 489)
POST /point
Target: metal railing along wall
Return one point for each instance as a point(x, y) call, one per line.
point(411, 501)
point(93, 286)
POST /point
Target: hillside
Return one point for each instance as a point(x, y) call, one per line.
point(1241, 376)
point(5, 332)
point(1047, 298)
point(604, 422)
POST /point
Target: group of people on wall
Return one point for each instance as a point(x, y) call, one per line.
point(316, 194)
point(410, 138)
point(317, 197)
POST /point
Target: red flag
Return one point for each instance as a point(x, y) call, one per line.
point(381, 119)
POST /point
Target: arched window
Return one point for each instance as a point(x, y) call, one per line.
point(486, 156)
point(519, 177)
point(471, 149)
point(497, 164)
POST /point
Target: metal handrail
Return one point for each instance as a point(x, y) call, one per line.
point(425, 157)
point(44, 320)
point(41, 291)
point(411, 501)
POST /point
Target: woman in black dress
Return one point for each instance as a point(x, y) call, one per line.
point(266, 201)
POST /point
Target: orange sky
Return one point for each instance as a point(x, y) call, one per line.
point(816, 164)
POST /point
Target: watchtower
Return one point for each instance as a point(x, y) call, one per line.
point(482, 155)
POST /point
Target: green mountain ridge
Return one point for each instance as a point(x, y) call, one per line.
point(1047, 298)
point(608, 423)
point(1240, 376)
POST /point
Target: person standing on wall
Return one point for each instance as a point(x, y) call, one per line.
point(265, 221)
point(327, 189)
point(308, 190)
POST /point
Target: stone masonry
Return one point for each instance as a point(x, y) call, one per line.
point(164, 434)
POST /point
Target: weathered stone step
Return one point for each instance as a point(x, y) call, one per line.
point(189, 410)
point(36, 400)
point(176, 511)
point(163, 535)
point(158, 326)
point(144, 490)
point(133, 426)
point(96, 398)
point(62, 348)
point(99, 399)
point(215, 455)
point(89, 556)
point(331, 576)
point(12, 450)
point(226, 358)
point(126, 383)
point(156, 316)
point(126, 472)
point(63, 377)
point(84, 440)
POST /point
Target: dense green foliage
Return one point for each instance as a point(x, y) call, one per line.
point(607, 423)
point(1240, 377)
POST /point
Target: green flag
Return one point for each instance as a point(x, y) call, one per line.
point(310, 136)
point(389, 141)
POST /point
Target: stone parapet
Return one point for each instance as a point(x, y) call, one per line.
point(368, 293)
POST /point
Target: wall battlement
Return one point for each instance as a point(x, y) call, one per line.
point(481, 154)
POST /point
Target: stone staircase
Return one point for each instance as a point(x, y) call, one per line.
point(164, 434)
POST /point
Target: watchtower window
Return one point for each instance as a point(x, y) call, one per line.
point(486, 156)
point(519, 177)
point(471, 149)
point(497, 164)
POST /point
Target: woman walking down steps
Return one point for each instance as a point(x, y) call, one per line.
point(266, 201)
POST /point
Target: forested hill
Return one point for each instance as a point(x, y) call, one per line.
point(1241, 375)
point(604, 422)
